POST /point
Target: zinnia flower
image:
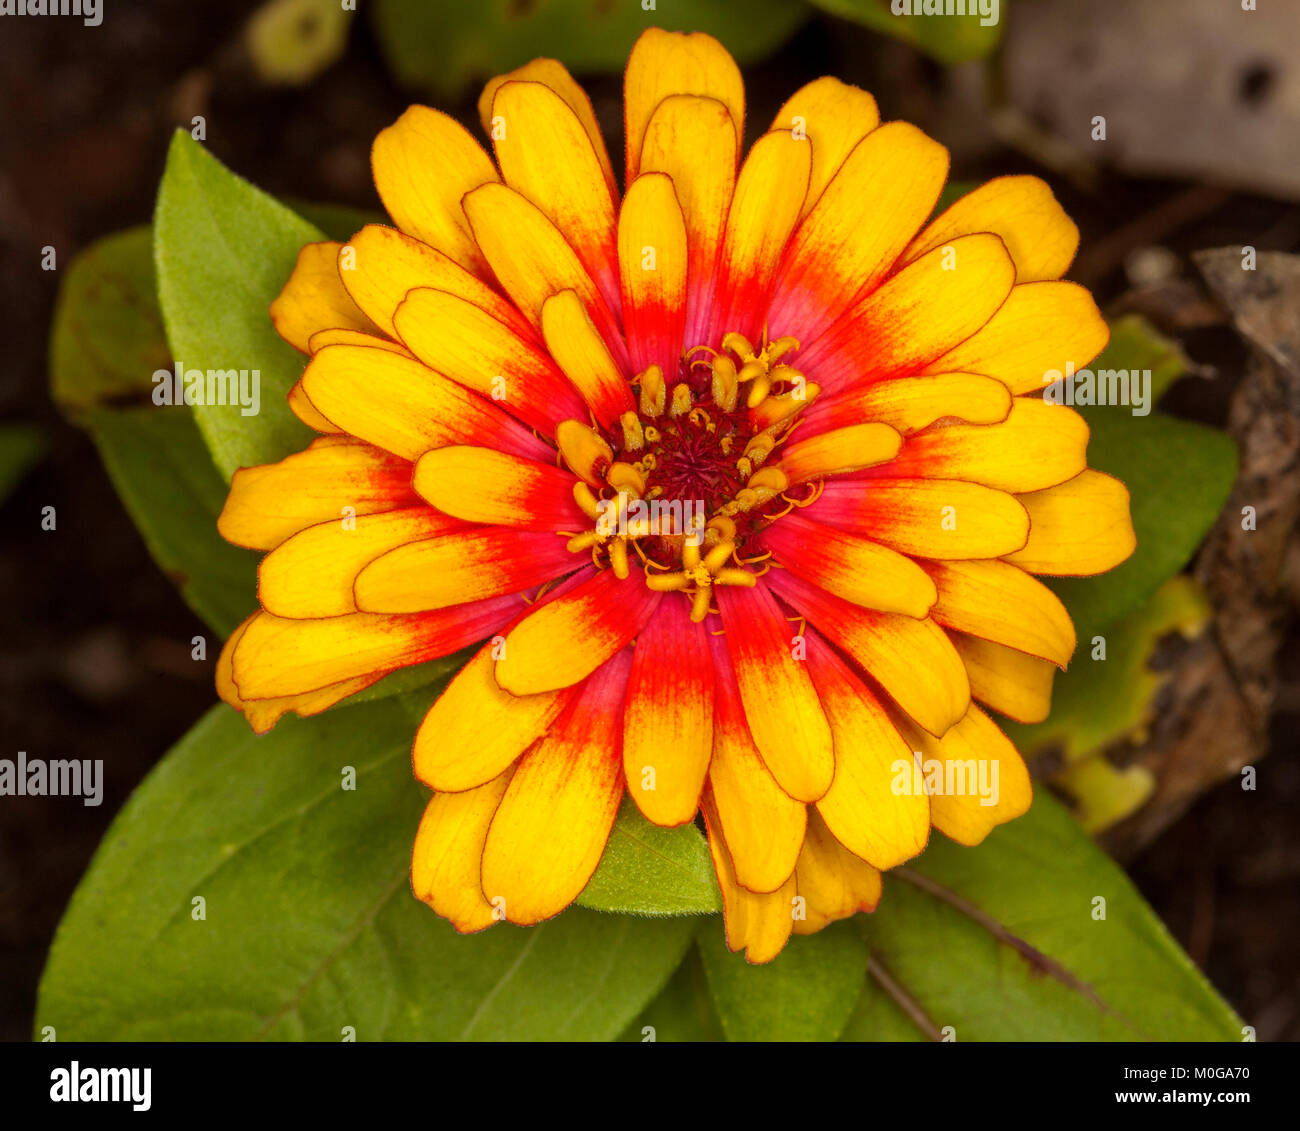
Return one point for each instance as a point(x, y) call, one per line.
point(741, 480)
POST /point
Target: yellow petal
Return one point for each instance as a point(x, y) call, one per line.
point(1038, 445)
point(1041, 238)
point(315, 299)
point(463, 342)
point(263, 714)
point(550, 829)
point(930, 518)
point(1015, 683)
point(279, 657)
point(909, 404)
point(485, 485)
point(845, 449)
point(665, 63)
point(894, 175)
point(851, 566)
point(448, 848)
point(911, 659)
point(758, 924)
point(269, 503)
point(312, 573)
point(682, 127)
point(1035, 336)
point(1003, 603)
point(983, 780)
point(915, 315)
point(460, 566)
point(385, 264)
point(862, 807)
point(782, 710)
point(475, 730)
point(323, 338)
point(1077, 528)
point(762, 824)
point(398, 404)
point(769, 194)
point(552, 73)
point(546, 155)
point(424, 163)
point(300, 405)
point(653, 269)
point(581, 352)
point(568, 638)
point(834, 117)
point(532, 260)
point(832, 882)
point(668, 716)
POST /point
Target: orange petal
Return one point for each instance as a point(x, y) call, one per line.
point(653, 269)
point(1014, 683)
point(782, 709)
point(668, 719)
point(568, 638)
point(532, 260)
point(580, 351)
point(976, 777)
point(682, 127)
point(832, 882)
point(909, 404)
point(862, 807)
point(769, 194)
point(894, 175)
point(384, 264)
point(545, 153)
point(483, 485)
point(763, 825)
point(462, 566)
point(1038, 445)
point(913, 660)
point(929, 518)
point(300, 405)
point(279, 657)
point(758, 924)
point(569, 784)
point(475, 730)
point(853, 448)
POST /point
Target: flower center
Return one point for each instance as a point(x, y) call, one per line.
point(687, 489)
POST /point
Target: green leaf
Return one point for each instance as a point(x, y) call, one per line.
point(1179, 475)
point(684, 1010)
point(164, 476)
point(1136, 344)
point(648, 870)
point(1100, 703)
point(950, 39)
point(445, 47)
point(805, 994)
point(106, 339)
point(223, 251)
point(309, 924)
point(1003, 942)
point(22, 447)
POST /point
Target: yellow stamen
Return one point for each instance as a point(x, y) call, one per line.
point(633, 434)
point(681, 400)
point(653, 391)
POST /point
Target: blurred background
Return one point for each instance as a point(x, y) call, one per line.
point(1202, 107)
